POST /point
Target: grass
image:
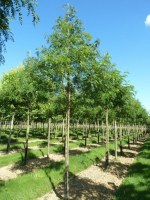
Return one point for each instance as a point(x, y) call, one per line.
point(18, 157)
point(137, 184)
point(33, 185)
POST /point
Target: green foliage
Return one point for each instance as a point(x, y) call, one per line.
point(70, 62)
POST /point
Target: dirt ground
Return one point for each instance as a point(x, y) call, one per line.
point(96, 182)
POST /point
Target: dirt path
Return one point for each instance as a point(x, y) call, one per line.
point(96, 182)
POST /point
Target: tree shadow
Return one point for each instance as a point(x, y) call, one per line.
point(2, 183)
point(42, 152)
point(129, 154)
point(60, 149)
point(77, 151)
point(56, 166)
point(36, 164)
point(84, 188)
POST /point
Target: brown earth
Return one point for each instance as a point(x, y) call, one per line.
point(97, 182)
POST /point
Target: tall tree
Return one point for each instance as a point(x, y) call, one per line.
point(70, 54)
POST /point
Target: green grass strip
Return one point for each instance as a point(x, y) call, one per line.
point(19, 156)
point(32, 185)
point(137, 184)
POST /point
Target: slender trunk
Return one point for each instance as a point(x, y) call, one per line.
point(66, 188)
point(116, 142)
point(133, 134)
point(103, 133)
point(98, 132)
point(10, 133)
point(63, 131)
point(48, 138)
point(128, 137)
point(43, 127)
point(107, 140)
point(0, 130)
point(121, 147)
point(27, 137)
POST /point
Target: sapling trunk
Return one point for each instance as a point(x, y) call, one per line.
point(0, 130)
point(121, 147)
point(107, 140)
point(48, 138)
point(27, 137)
point(66, 188)
point(116, 142)
point(103, 133)
point(63, 132)
point(10, 133)
point(98, 137)
point(43, 127)
point(133, 135)
point(128, 137)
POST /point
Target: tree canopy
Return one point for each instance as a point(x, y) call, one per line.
point(72, 62)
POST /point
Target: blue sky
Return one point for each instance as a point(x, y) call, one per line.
point(120, 26)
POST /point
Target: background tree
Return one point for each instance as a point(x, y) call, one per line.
point(9, 97)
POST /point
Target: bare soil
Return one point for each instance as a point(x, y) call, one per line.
point(97, 182)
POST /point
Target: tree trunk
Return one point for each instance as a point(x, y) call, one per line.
point(116, 142)
point(107, 140)
point(98, 132)
point(121, 147)
point(27, 137)
point(103, 135)
point(0, 130)
point(10, 133)
point(43, 127)
point(66, 188)
point(63, 132)
point(128, 137)
point(48, 138)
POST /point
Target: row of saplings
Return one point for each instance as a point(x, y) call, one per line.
point(104, 133)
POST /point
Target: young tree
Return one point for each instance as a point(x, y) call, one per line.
point(9, 98)
point(70, 54)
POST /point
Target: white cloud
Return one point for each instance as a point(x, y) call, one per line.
point(147, 21)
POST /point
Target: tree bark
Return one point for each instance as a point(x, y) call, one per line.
point(98, 136)
point(48, 138)
point(27, 137)
point(103, 135)
point(128, 129)
point(0, 130)
point(10, 133)
point(116, 142)
point(121, 147)
point(66, 188)
point(107, 140)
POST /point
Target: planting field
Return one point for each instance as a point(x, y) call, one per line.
point(71, 126)
point(42, 177)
